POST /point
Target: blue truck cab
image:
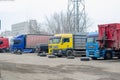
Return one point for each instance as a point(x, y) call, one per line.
point(92, 46)
point(19, 43)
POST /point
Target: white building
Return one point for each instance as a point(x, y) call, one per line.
point(28, 27)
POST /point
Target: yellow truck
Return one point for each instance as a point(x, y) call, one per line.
point(67, 44)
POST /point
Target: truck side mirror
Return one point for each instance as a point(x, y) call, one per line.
point(62, 43)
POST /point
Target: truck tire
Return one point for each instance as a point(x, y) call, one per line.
point(51, 56)
point(33, 51)
point(108, 55)
point(38, 54)
point(19, 52)
point(59, 55)
point(93, 58)
point(85, 59)
point(70, 57)
point(118, 56)
point(43, 54)
point(3, 51)
point(69, 53)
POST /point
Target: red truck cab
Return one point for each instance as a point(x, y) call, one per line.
point(4, 44)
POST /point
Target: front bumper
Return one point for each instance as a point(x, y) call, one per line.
point(93, 53)
point(58, 52)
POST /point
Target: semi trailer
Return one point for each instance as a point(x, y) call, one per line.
point(27, 43)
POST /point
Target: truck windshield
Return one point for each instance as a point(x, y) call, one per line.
point(17, 41)
point(50, 40)
point(96, 38)
point(90, 40)
point(56, 40)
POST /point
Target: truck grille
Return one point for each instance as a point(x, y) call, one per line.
point(55, 47)
point(91, 47)
point(91, 52)
point(50, 46)
point(55, 51)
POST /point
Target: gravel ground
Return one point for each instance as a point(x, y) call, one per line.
point(33, 67)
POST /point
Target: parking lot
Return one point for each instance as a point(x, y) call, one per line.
point(33, 67)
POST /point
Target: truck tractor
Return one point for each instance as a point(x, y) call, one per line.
point(68, 44)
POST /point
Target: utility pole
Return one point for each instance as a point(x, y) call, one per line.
point(76, 17)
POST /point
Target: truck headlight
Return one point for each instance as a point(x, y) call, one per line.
point(56, 47)
point(50, 46)
point(60, 51)
point(97, 52)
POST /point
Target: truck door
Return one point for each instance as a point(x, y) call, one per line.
point(66, 43)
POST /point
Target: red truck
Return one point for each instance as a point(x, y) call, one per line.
point(4, 44)
point(105, 44)
point(109, 40)
point(109, 36)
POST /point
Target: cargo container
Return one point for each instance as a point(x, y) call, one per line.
point(4, 44)
point(27, 43)
point(109, 41)
point(68, 44)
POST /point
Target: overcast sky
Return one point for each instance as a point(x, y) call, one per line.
point(99, 11)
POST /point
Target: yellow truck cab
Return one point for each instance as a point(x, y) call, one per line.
point(68, 44)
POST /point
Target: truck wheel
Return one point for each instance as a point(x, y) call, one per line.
point(51, 56)
point(38, 54)
point(108, 55)
point(43, 54)
point(3, 51)
point(69, 53)
point(59, 55)
point(70, 57)
point(19, 52)
point(85, 59)
point(118, 56)
point(93, 58)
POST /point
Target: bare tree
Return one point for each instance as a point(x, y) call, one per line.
point(35, 28)
point(58, 23)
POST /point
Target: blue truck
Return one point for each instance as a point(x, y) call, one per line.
point(92, 45)
point(26, 43)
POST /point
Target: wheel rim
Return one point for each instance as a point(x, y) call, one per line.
point(69, 53)
point(108, 55)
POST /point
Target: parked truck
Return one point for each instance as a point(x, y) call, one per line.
point(68, 44)
point(27, 43)
point(4, 44)
point(108, 42)
point(92, 45)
